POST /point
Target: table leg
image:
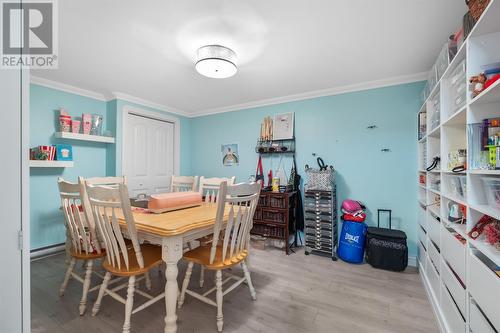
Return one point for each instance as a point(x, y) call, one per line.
point(171, 254)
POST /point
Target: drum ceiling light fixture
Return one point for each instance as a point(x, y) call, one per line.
point(216, 61)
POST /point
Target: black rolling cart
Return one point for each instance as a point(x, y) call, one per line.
point(320, 217)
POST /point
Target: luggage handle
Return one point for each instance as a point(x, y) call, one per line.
point(385, 211)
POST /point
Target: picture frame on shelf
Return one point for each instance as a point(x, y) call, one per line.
point(64, 152)
point(283, 126)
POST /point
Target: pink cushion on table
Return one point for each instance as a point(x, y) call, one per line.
point(171, 201)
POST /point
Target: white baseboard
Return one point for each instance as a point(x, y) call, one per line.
point(434, 303)
point(412, 261)
point(47, 251)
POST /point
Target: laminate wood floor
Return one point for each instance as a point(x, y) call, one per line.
point(295, 293)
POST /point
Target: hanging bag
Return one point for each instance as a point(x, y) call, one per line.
point(259, 174)
point(321, 179)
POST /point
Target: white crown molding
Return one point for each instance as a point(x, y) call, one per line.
point(67, 88)
point(146, 103)
point(102, 97)
point(264, 102)
point(317, 93)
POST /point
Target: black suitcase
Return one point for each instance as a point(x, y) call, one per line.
point(386, 248)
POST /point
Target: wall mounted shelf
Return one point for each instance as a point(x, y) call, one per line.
point(84, 137)
point(50, 164)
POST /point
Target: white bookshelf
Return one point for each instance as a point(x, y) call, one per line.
point(84, 137)
point(459, 274)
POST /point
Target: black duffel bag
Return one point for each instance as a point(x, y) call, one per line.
point(386, 248)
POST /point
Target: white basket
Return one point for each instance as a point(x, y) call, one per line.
point(492, 189)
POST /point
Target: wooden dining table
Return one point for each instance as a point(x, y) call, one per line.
point(171, 230)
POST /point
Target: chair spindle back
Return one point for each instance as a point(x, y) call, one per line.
point(106, 202)
point(183, 183)
point(81, 232)
point(242, 200)
point(209, 188)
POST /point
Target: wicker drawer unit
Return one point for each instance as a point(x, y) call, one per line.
point(320, 214)
point(275, 216)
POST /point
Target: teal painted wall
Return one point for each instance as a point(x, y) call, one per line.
point(335, 128)
point(90, 159)
point(46, 219)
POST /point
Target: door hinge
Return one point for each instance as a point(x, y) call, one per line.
point(20, 240)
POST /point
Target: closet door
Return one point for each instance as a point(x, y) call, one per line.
point(148, 154)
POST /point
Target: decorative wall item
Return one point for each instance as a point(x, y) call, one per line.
point(283, 126)
point(64, 152)
point(230, 154)
point(266, 129)
point(43, 153)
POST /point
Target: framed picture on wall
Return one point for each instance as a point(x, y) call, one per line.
point(230, 155)
point(283, 126)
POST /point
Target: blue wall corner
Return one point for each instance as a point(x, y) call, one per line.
point(335, 128)
point(46, 219)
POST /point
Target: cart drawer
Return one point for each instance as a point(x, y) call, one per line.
point(454, 287)
point(477, 321)
point(451, 314)
point(454, 252)
point(485, 288)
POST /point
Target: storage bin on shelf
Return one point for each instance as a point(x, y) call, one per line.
point(435, 181)
point(432, 79)
point(458, 88)
point(434, 111)
point(458, 186)
point(492, 191)
point(442, 61)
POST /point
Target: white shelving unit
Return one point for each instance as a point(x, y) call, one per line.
point(84, 137)
point(50, 164)
point(458, 271)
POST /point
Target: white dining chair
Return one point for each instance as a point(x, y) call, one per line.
point(112, 181)
point(123, 259)
point(183, 183)
point(83, 242)
point(209, 189)
point(229, 250)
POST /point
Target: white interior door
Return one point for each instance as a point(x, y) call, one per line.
point(14, 280)
point(148, 154)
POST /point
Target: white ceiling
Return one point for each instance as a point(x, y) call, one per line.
point(284, 47)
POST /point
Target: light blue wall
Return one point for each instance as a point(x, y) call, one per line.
point(334, 127)
point(90, 159)
point(46, 219)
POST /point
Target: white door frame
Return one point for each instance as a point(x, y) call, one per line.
point(16, 301)
point(127, 110)
point(25, 198)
